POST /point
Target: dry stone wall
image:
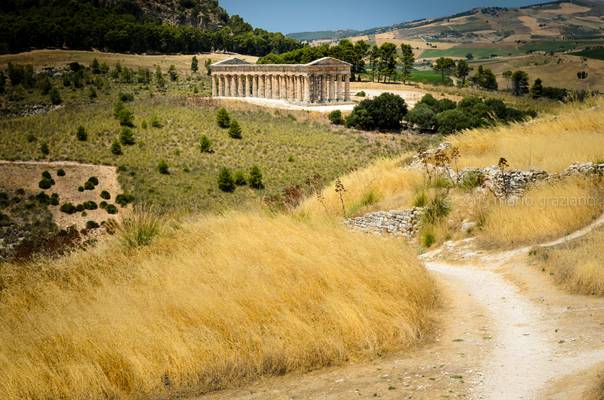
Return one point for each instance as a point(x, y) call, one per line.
point(397, 222)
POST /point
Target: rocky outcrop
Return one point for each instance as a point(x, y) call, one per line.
point(397, 222)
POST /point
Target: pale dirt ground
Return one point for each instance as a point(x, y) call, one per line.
point(27, 175)
point(505, 332)
point(533, 25)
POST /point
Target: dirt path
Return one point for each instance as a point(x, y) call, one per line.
point(506, 333)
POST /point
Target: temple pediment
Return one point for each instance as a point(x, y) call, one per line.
point(232, 61)
point(329, 61)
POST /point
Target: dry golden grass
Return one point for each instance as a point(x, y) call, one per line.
point(60, 58)
point(550, 142)
point(385, 184)
point(577, 265)
point(545, 212)
point(209, 304)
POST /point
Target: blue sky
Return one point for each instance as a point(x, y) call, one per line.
point(313, 15)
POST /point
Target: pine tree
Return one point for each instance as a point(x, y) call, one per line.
point(520, 83)
point(127, 136)
point(407, 59)
point(462, 70)
point(205, 145)
point(194, 64)
point(225, 181)
point(537, 89)
point(223, 119)
point(235, 130)
point(255, 180)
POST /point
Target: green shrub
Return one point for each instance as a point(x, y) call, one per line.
point(46, 183)
point(471, 180)
point(44, 149)
point(163, 168)
point(60, 172)
point(111, 209)
point(235, 130)
point(420, 199)
point(92, 93)
point(94, 180)
point(46, 175)
point(122, 114)
point(436, 209)
point(42, 198)
point(54, 200)
point(90, 205)
point(105, 195)
point(124, 199)
point(127, 136)
point(453, 120)
point(225, 181)
point(205, 145)
point(139, 230)
point(55, 96)
point(144, 125)
point(103, 205)
point(89, 185)
point(68, 208)
point(223, 119)
point(256, 178)
point(116, 148)
point(90, 225)
point(361, 94)
point(239, 178)
point(80, 188)
point(290, 158)
point(422, 116)
point(336, 117)
point(428, 239)
point(125, 97)
point(81, 134)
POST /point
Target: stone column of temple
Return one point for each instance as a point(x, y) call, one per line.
point(347, 87)
point(250, 85)
point(282, 88)
point(219, 87)
point(306, 89)
point(332, 88)
point(255, 86)
point(339, 91)
point(290, 87)
point(292, 91)
point(227, 85)
point(275, 86)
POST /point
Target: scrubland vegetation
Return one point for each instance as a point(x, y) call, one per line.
point(576, 265)
point(209, 303)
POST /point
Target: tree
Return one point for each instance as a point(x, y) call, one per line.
point(407, 59)
point(374, 58)
point(422, 116)
point(235, 130)
point(507, 75)
point(81, 134)
point(44, 149)
point(453, 120)
point(223, 119)
point(127, 136)
point(520, 83)
point(462, 71)
point(225, 180)
point(159, 77)
point(95, 67)
point(205, 145)
point(194, 64)
point(255, 180)
point(444, 66)
point(116, 148)
point(469, 56)
point(384, 113)
point(208, 65)
point(387, 60)
point(537, 89)
point(581, 75)
point(485, 79)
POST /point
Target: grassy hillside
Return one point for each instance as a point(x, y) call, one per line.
point(211, 303)
point(291, 149)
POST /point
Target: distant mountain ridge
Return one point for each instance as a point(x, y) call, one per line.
point(569, 19)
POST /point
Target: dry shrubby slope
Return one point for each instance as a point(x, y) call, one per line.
point(210, 303)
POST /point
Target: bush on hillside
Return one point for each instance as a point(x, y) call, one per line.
point(422, 116)
point(223, 119)
point(235, 130)
point(225, 181)
point(105, 195)
point(116, 148)
point(205, 145)
point(383, 113)
point(55, 97)
point(127, 136)
point(255, 180)
point(239, 178)
point(81, 134)
point(163, 168)
point(336, 117)
point(60, 172)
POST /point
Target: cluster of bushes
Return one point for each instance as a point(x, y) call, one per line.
point(121, 26)
point(46, 182)
point(52, 200)
point(446, 116)
point(224, 121)
point(228, 181)
point(23, 76)
point(383, 113)
point(539, 91)
point(90, 205)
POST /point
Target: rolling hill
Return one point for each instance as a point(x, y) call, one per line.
point(578, 19)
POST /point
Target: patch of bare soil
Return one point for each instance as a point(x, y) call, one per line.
point(27, 175)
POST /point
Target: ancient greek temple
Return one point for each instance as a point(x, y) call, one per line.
point(326, 80)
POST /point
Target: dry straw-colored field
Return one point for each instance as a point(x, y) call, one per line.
point(209, 304)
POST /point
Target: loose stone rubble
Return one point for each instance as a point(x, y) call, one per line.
point(396, 222)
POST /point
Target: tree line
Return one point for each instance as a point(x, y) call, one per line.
point(83, 25)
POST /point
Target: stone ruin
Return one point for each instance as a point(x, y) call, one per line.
point(403, 223)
